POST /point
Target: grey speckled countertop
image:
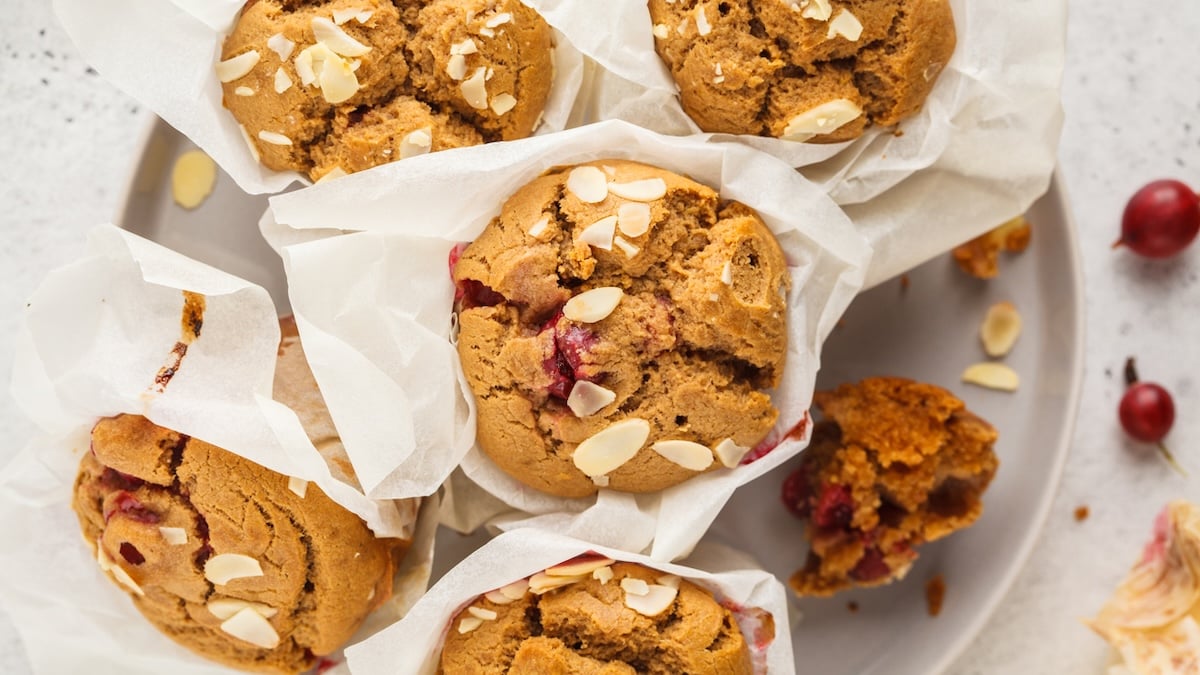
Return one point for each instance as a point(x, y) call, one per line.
point(1132, 96)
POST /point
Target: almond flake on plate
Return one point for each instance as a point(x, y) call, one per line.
point(992, 375)
point(1000, 329)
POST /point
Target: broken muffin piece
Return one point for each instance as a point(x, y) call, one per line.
point(893, 465)
point(980, 257)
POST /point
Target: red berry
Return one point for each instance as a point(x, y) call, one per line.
point(1161, 219)
point(796, 492)
point(835, 508)
point(871, 567)
point(1147, 412)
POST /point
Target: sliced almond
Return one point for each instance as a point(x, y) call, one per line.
point(282, 46)
point(237, 67)
point(647, 190)
point(469, 623)
point(539, 228)
point(298, 486)
point(337, 80)
point(481, 613)
point(823, 119)
point(633, 219)
point(594, 305)
point(502, 103)
point(243, 91)
point(416, 143)
point(364, 16)
point(496, 598)
point(283, 81)
point(224, 608)
point(108, 565)
point(630, 250)
point(341, 16)
point(588, 399)
point(474, 89)
point(657, 600)
point(577, 568)
point(730, 453)
point(175, 536)
point(600, 233)
point(727, 274)
point(193, 178)
point(516, 590)
point(661, 31)
point(542, 583)
point(689, 455)
point(274, 138)
point(609, 449)
point(331, 35)
point(703, 27)
point(670, 580)
point(846, 25)
point(588, 184)
point(634, 586)
point(1000, 329)
point(305, 68)
point(487, 32)
point(992, 375)
point(465, 47)
point(250, 626)
point(222, 569)
point(820, 10)
point(456, 67)
point(498, 20)
point(603, 575)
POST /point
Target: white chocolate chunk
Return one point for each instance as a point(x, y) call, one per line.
point(609, 449)
point(282, 81)
point(243, 91)
point(823, 119)
point(250, 626)
point(629, 249)
point(594, 305)
point(193, 178)
point(702, 25)
point(541, 582)
point(332, 36)
point(600, 233)
point(341, 16)
point(588, 184)
point(108, 565)
point(689, 455)
point(465, 47)
point(224, 608)
point(175, 536)
point(502, 103)
point(727, 274)
point(820, 10)
point(456, 67)
point(416, 143)
point(498, 20)
point(845, 24)
point(481, 613)
point(992, 375)
point(539, 228)
point(1000, 329)
point(633, 219)
point(281, 46)
point(587, 399)
point(274, 138)
point(730, 453)
point(646, 190)
point(634, 586)
point(222, 569)
point(237, 67)
point(469, 623)
point(670, 580)
point(656, 600)
point(474, 89)
point(603, 575)
point(298, 486)
point(578, 567)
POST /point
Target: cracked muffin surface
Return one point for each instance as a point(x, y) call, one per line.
point(330, 86)
point(618, 325)
point(803, 70)
point(893, 465)
point(586, 628)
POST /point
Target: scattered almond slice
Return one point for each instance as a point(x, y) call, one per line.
point(222, 569)
point(481, 613)
point(224, 608)
point(661, 31)
point(503, 103)
point(634, 586)
point(298, 486)
point(332, 36)
point(730, 453)
point(506, 595)
point(588, 184)
point(594, 305)
point(846, 25)
point(610, 448)
point(337, 80)
point(633, 219)
point(689, 455)
point(250, 626)
point(474, 89)
point(108, 565)
point(823, 119)
point(237, 67)
point(657, 600)
point(487, 32)
point(539, 228)
point(274, 138)
point(587, 399)
point(193, 178)
point(305, 69)
point(670, 580)
point(341, 16)
point(464, 48)
point(603, 575)
point(820, 10)
point(456, 67)
point(250, 143)
point(703, 27)
point(541, 582)
point(175, 536)
point(283, 81)
point(1000, 329)
point(364, 16)
point(576, 568)
point(282, 46)
point(416, 143)
point(469, 623)
point(243, 91)
point(727, 274)
point(498, 20)
point(600, 481)
point(335, 172)
point(992, 375)
point(647, 190)
point(629, 249)
point(600, 233)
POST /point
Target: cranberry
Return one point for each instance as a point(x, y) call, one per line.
point(571, 344)
point(128, 506)
point(870, 567)
point(834, 508)
point(1161, 219)
point(130, 553)
point(796, 493)
point(471, 293)
point(454, 257)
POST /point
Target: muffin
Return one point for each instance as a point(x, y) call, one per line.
point(618, 325)
point(893, 464)
point(338, 86)
point(802, 70)
point(238, 563)
point(594, 616)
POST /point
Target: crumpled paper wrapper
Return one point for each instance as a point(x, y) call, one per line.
point(163, 53)
point(979, 152)
point(374, 310)
point(95, 335)
point(414, 645)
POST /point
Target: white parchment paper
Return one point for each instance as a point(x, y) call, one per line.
point(414, 645)
point(374, 311)
point(980, 151)
point(163, 53)
point(95, 335)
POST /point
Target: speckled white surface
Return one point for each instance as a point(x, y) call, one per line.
point(1132, 96)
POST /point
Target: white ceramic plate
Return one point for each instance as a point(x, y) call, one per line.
point(927, 332)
